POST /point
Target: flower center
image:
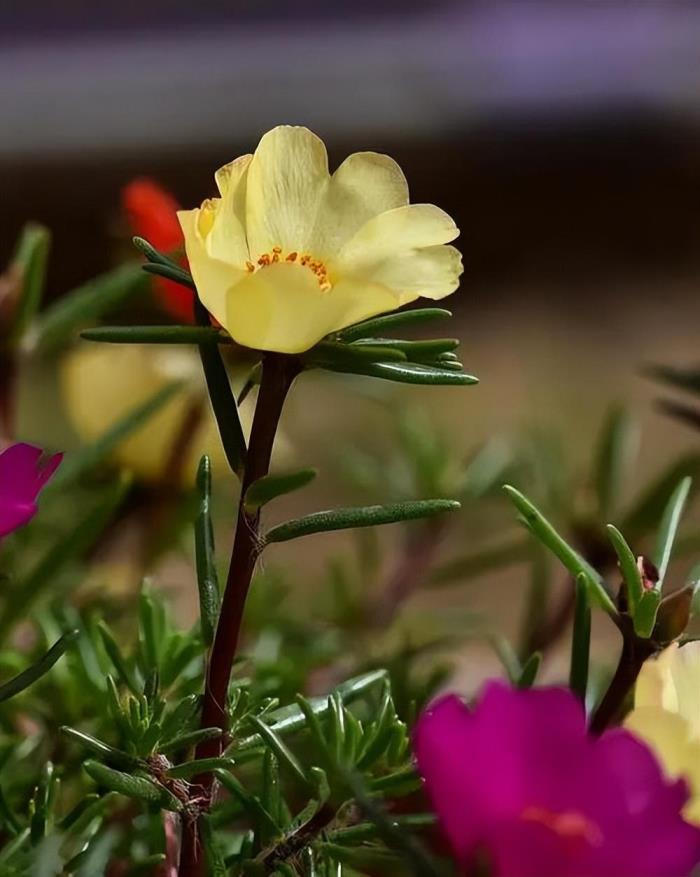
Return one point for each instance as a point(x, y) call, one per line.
point(570, 824)
point(316, 266)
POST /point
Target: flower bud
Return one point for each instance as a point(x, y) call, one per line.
point(673, 615)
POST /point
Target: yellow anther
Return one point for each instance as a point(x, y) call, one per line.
point(277, 254)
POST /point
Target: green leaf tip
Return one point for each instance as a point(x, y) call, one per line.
point(362, 516)
point(40, 668)
point(156, 335)
point(529, 671)
point(670, 522)
point(269, 487)
point(540, 527)
point(170, 272)
point(405, 372)
point(31, 260)
point(134, 787)
point(149, 251)
point(388, 322)
point(162, 265)
point(628, 566)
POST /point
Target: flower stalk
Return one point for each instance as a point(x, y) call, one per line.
point(278, 374)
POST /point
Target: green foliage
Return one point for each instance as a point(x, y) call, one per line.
point(207, 580)
point(269, 487)
point(36, 671)
point(57, 325)
point(367, 516)
point(541, 528)
point(223, 401)
point(108, 751)
point(30, 261)
point(156, 335)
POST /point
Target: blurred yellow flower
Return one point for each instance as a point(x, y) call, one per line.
point(102, 383)
point(666, 715)
point(289, 253)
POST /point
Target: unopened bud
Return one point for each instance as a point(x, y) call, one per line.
point(673, 616)
point(648, 572)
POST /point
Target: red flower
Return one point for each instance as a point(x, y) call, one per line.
point(152, 214)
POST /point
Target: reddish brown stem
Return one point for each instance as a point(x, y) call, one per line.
point(169, 867)
point(7, 398)
point(551, 629)
point(410, 572)
point(278, 375)
point(635, 652)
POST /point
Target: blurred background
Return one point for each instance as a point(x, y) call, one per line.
point(564, 139)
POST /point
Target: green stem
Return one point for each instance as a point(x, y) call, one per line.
point(278, 374)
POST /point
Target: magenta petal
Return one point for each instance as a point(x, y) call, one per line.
point(442, 744)
point(14, 517)
point(23, 473)
point(519, 779)
point(653, 838)
point(520, 849)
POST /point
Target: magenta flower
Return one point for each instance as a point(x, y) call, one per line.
point(23, 473)
point(519, 782)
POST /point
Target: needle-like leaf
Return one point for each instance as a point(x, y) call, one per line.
point(362, 516)
point(669, 527)
point(40, 668)
point(572, 560)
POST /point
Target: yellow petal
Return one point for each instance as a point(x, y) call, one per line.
point(365, 185)
point(130, 375)
point(665, 732)
point(672, 681)
point(213, 278)
point(655, 686)
point(432, 272)
point(286, 181)
point(685, 672)
point(103, 383)
point(668, 735)
point(226, 240)
point(353, 302)
point(282, 308)
point(231, 173)
point(395, 231)
point(206, 215)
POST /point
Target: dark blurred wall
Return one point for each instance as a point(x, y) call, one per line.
point(546, 204)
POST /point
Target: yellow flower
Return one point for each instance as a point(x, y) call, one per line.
point(666, 715)
point(102, 383)
point(289, 253)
